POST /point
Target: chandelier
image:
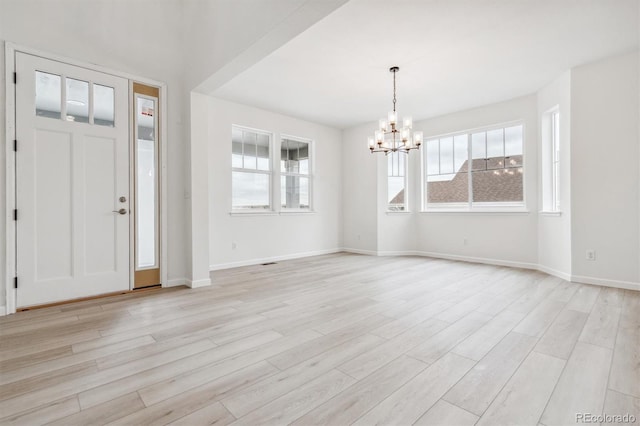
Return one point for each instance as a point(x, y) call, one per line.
point(388, 138)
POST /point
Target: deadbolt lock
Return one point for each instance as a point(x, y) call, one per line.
point(123, 199)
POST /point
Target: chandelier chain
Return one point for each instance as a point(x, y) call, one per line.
point(394, 91)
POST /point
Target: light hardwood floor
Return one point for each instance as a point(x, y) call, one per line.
point(336, 339)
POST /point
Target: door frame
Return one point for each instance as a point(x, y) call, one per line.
point(10, 51)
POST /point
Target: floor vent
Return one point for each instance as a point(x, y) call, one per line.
point(268, 263)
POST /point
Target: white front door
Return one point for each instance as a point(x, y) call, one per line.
point(72, 181)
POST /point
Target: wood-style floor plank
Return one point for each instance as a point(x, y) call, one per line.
point(581, 388)
point(352, 403)
point(411, 401)
point(214, 414)
point(104, 413)
point(259, 394)
point(335, 339)
point(293, 405)
point(602, 326)
point(619, 404)
point(562, 335)
point(446, 414)
point(476, 390)
point(524, 397)
point(625, 366)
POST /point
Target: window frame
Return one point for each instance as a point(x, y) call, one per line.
point(309, 175)
point(550, 162)
point(554, 116)
point(470, 206)
point(405, 206)
point(269, 173)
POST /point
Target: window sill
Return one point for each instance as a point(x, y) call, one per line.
point(543, 213)
point(297, 212)
point(393, 212)
point(272, 213)
point(253, 213)
point(479, 211)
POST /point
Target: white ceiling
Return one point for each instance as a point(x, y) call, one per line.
point(452, 54)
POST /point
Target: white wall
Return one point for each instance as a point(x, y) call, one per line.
point(554, 231)
point(266, 236)
point(507, 237)
point(360, 191)
point(604, 170)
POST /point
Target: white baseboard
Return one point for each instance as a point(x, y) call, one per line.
point(629, 285)
point(3, 311)
point(206, 282)
point(488, 261)
point(399, 253)
point(176, 282)
point(250, 262)
point(359, 251)
point(564, 275)
point(485, 260)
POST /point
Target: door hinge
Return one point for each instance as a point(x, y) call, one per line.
point(15, 77)
point(15, 282)
point(15, 145)
point(15, 214)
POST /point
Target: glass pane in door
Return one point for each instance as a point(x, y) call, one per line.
point(103, 107)
point(146, 184)
point(48, 95)
point(77, 100)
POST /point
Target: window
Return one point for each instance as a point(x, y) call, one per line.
point(77, 102)
point(447, 174)
point(551, 161)
point(295, 173)
point(482, 168)
point(397, 181)
point(251, 169)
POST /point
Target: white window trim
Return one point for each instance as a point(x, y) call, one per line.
point(244, 211)
point(550, 213)
point(295, 212)
point(406, 187)
point(550, 180)
point(310, 175)
point(555, 161)
point(470, 206)
point(248, 212)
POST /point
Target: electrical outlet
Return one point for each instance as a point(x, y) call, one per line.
point(358, 237)
point(591, 255)
point(465, 242)
point(233, 246)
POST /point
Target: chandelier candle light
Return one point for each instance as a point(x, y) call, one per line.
point(388, 138)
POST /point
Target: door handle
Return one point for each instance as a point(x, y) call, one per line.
point(121, 211)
